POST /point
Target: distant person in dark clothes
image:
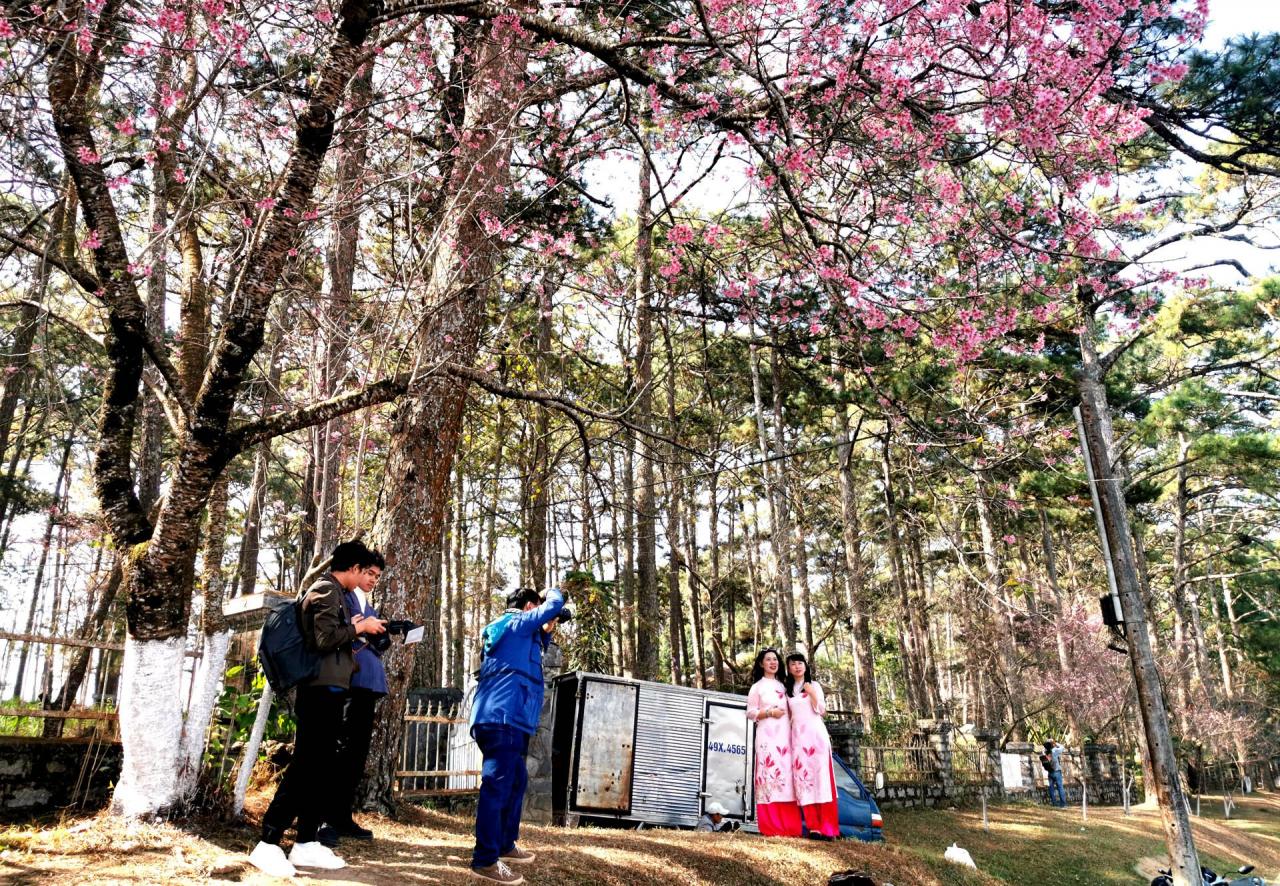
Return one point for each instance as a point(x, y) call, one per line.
point(368, 686)
point(504, 716)
point(306, 790)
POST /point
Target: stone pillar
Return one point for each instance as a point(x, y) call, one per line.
point(989, 741)
point(537, 798)
point(846, 741)
point(938, 734)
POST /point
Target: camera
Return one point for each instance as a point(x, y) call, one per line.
point(380, 643)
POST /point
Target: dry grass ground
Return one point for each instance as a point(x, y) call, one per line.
point(1027, 845)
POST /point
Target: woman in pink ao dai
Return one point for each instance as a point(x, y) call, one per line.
point(776, 811)
point(812, 768)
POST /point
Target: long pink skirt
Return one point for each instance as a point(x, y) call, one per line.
point(824, 818)
point(778, 819)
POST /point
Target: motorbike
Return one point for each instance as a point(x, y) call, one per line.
point(1211, 878)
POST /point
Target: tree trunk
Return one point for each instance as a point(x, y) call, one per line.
point(1011, 670)
point(50, 522)
point(1096, 419)
point(855, 583)
point(213, 640)
point(675, 607)
point(802, 578)
point(716, 596)
point(648, 614)
point(784, 603)
point(912, 671)
point(629, 582)
point(251, 537)
point(428, 427)
point(696, 620)
point(457, 621)
point(491, 525)
point(1059, 611)
point(780, 527)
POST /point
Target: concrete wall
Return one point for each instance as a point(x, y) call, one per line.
point(537, 799)
point(40, 775)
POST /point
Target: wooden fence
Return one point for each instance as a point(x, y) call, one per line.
point(29, 719)
point(900, 765)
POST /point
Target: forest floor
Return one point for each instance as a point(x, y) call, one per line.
point(1026, 845)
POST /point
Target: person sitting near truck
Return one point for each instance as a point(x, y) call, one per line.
point(776, 811)
point(813, 771)
point(504, 716)
point(713, 819)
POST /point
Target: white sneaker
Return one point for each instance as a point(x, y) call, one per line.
point(269, 858)
point(315, 855)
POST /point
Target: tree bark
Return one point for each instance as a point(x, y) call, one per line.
point(428, 426)
point(648, 615)
point(912, 660)
point(716, 597)
point(159, 564)
point(855, 583)
point(1011, 670)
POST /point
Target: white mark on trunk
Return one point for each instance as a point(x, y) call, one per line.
point(150, 725)
point(204, 696)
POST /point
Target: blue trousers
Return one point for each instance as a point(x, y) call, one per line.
point(1055, 781)
point(503, 779)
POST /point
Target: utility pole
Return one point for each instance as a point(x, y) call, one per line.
point(1095, 423)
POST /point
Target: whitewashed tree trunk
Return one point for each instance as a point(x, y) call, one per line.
point(204, 696)
point(150, 726)
point(251, 750)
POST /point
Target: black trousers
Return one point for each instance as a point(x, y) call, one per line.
point(306, 789)
point(353, 751)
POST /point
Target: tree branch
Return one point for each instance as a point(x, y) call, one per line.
point(251, 433)
point(78, 273)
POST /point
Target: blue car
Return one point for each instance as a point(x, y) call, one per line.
point(859, 814)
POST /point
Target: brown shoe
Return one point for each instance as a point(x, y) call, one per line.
point(498, 872)
point(518, 856)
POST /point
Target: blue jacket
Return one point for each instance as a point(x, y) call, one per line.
point(510, 688)
point(371, 675)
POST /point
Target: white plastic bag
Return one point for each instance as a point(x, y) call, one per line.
point(959, 856)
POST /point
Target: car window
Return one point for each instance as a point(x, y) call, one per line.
point(845, 783)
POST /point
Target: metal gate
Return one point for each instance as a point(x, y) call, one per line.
point(726, 770)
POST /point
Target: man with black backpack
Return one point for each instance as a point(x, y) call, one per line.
point(304, 790)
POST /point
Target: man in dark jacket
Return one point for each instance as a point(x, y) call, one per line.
point(308, 782)
point(368, 686)
point(504, 716)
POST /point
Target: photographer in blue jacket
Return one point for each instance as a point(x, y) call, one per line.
point(504, 716)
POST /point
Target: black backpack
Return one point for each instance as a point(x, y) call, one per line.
point(1047, 762)
point(283, 652)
